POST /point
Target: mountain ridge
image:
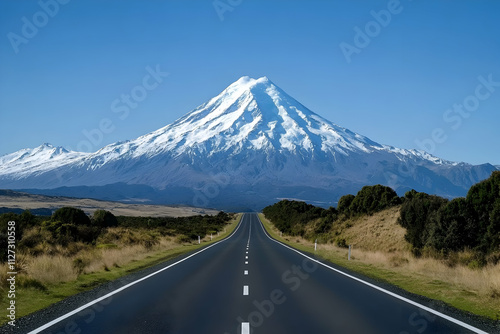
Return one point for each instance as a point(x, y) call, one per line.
point(259, 139)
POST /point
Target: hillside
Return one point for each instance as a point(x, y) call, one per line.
point(377, 232)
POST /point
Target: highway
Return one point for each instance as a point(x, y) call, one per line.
point(249, 283)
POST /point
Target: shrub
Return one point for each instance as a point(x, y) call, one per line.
point(291, 217)
point(69, 215)
point(65, 233)
point(472, 222)
point(181, 239)
point(341, 242)
point(371, 199)
point(344, 204)
point(493, 231)
point(103, 218)
point(419, 215)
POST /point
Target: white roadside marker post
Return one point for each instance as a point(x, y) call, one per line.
point(349, 254)
point(315, 244)
point(210, 236)
point(199, 240)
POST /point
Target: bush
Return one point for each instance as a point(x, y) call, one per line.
point(291, 217)
point(471, 222)
point(455, 228)
point(65, 233)
point(371, 199)
point(344, 204)
point(418, 215)
point(493, 231)
point(69, 215)
point(341, 242)
point(181, 239)
point(103, 218)
point(482, 198)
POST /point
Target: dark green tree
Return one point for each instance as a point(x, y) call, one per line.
point(482, 197)
point(344, 204)
point(69, 215)
point(419, 215)
point(493, 232)
point(371, 199)
point(455, 229)
point(103, 218)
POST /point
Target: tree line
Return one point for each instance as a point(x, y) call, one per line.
point(471, 222)
point(431, 222)
point(294, 217)
point(67, 225)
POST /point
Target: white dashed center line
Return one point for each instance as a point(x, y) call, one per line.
point(245, 328)
point(245, 272)
point(245, 290)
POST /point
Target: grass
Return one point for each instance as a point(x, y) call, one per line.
point(46, 279)
point(472, 290)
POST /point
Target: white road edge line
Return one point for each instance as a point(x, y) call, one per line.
point(409, 301)
point(81, 308)
point(245, 328)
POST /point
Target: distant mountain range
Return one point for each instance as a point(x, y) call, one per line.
point(248, 147)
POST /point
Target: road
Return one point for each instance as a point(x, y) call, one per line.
point(250, 283)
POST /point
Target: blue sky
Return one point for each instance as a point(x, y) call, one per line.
point(399, 80)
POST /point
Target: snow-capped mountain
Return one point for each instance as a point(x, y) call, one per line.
point(38, 160)
point(246, 147)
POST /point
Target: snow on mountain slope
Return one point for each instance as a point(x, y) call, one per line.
point(37, 160)
point(257, 137)
point(251, 115)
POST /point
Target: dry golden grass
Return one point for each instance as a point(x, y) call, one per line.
point(95, 260)
point(51, 269)
point(378, 232)
point(48, 263)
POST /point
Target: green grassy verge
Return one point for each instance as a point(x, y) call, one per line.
point(33, 298)
point(417, 284)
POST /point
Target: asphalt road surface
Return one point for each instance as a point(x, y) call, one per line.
point(249, 283)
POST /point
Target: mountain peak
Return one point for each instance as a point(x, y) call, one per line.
point(255, 114)
point(251, 141)
point(244, 84)
point(249, 81)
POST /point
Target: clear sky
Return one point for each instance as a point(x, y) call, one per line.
point(411, 74)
